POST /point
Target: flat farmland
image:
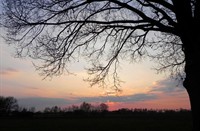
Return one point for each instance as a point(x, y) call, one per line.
point(107, 123)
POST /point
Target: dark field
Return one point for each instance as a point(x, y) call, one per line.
point(160, 122)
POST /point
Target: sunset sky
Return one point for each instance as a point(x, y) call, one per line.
point(142, 87)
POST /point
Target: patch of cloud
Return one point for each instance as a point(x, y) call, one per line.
point(167, 86)
point(16, 85)
point(110, 93)
point(127, 98)
point(8, 71)
point(34, 88)
point(41, 102)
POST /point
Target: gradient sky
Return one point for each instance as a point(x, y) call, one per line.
point(143, 88)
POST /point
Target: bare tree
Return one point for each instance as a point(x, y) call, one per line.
point(103, 107)
point(107, 31)
point(86, 107)
point(8, 104)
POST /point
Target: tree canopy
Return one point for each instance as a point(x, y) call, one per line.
point(103, 31)
point(8, 104)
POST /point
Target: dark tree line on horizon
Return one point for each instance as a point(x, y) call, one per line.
point(9, 108)
point(10, 104)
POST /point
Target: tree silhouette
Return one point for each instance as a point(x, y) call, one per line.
point(8, 104)
point(86, 107)
point(107, 31)
point(103, 107)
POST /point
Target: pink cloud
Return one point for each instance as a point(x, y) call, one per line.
point(8, 71)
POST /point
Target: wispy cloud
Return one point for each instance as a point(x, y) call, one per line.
point(8, 71)
point(126, 98)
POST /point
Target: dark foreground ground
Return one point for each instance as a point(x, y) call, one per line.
point(122, 122)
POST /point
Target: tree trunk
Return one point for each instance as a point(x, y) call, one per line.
point(192, 70)
point(194, 96)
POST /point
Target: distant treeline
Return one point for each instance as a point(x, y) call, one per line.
point(10, 108)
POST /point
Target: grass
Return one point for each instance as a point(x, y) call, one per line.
point(147, 123)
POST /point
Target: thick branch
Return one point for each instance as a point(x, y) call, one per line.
point(164, 4)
